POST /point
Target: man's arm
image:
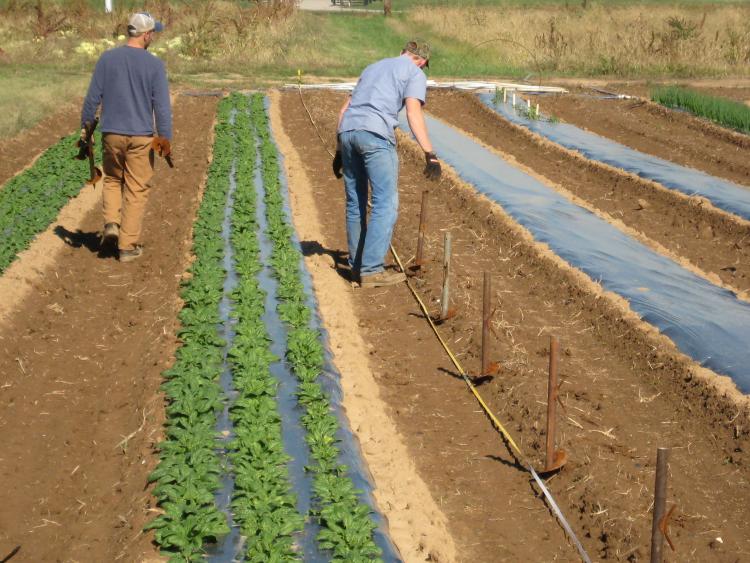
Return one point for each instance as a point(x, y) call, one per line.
point(342, 111)
point(415, 117)
point(162, 104)
point(94, 95)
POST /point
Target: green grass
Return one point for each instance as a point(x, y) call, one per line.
point(407, 4)
point(28, 93)
point(727, 113)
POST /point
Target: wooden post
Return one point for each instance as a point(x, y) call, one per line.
point(486, 314)
point(422, 228)
point(660, 503)
point(445, 297)
point(387, 7)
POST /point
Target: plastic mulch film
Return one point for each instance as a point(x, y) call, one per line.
point(706, 322)
point(724, 194)
point(351, 454)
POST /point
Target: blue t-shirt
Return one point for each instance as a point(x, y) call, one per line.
point(380, 93)
point(131, 84)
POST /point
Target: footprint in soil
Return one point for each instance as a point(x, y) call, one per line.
point(89, 240)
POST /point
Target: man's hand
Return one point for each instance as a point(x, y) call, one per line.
point(432, 169)
point(162, 146)
point(338, 163)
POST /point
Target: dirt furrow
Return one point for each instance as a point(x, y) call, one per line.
point(651, 128)
point(713, 241)
point(626, 389)
point(81, 363)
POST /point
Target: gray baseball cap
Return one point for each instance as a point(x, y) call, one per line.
point(143, 22)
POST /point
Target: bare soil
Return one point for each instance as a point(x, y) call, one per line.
point(713, 241)
point(81, 364)
point(654, 129)
point(626, 390)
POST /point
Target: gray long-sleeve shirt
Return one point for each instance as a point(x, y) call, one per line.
point(131, 84)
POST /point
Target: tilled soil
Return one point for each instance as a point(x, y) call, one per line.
point(81, 366)
point(19, 151)
point(654, 129)
point(713, 241)
point(626, 390)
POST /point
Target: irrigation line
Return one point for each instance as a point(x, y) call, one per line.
point(496, 423)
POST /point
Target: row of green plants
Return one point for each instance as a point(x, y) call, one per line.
point(263, 503)
point(30, 201)
point(345, 520)
point(725, 112)
point(189, 470)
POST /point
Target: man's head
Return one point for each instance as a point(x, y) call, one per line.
point(141, 29)
point(419, 51)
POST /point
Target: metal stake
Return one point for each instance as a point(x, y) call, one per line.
point(554, 354)
point(486, 314)
point(422, 227)
point(660, 502)
point(445, 297)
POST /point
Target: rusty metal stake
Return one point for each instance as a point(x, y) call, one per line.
point(555, 458)
point(486, 316)
point(445, 297)
point(418, 263)
point(660, 503)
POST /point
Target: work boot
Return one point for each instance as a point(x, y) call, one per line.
point(111, 234)
point(381, 279)
point(130, 255)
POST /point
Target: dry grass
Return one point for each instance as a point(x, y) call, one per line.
point(633, 40)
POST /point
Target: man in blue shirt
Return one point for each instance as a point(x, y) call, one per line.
point(131, 86)
point(367, 155)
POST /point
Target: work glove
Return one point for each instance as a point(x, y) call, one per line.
point(432, 169)
point(338, 163)
point(162, 146)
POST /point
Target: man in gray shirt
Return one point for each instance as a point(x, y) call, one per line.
point(131, 86)
point(367, 155)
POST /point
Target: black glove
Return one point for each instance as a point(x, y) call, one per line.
point(337, 164)
point(432, 169)
point(85, 142)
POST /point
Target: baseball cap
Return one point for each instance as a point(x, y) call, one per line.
point(143, 22)
point(419, 48)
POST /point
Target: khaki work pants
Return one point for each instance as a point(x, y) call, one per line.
point(128, 168)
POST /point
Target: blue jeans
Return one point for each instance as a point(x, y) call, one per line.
point(369, 157)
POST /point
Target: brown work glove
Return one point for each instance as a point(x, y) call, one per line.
point(161, 146)
point(432, 169)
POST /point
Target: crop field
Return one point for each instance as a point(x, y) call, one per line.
point(233, 396)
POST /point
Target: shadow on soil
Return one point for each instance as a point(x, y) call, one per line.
point(90, 241)
point(340, 263)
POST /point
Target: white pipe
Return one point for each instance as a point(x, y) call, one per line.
point(513, 103)
point(108, 6)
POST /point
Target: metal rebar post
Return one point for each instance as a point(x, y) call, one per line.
point(660, 503)
point(554, 355)
point(422, 228)
point(486, 314)
point(445, 296)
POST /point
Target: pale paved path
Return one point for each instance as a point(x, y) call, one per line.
point(326, 6)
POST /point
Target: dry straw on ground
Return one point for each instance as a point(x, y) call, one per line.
point(604, 40)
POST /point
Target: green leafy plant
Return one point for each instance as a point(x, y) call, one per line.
point(189, 469)
point(347, 528)
point(727, 113)
point(30, 201)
